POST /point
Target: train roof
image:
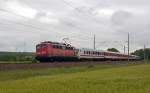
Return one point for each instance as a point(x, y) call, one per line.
point(88, 49)
point(56, 43)
point(116, 52)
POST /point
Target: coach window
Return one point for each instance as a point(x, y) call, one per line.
point(99, 53)
point(89, 52)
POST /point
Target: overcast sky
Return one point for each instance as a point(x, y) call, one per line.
point(24, 23)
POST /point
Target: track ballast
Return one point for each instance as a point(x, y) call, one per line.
point(14, 66)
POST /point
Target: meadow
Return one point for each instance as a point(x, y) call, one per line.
point(127, 78)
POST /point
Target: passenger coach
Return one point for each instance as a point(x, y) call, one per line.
point(90, 54)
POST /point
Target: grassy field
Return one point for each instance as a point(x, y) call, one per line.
point(84, 79)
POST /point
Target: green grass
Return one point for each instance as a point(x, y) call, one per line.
point(15, 62)
point(27, 73)
point(84, 79)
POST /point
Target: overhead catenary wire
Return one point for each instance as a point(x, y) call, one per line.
point(31, 26)
point(33, 31)
point(3, 10)
point(37, 28)
point(79, 11)
point(20, 29)
point(7, 26)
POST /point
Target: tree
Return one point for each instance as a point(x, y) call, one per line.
point(140, 53)
point(112, 50)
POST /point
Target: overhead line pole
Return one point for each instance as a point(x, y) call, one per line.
point(128, 46)
point(94, 42)
point(144, 53)
point(124, 49)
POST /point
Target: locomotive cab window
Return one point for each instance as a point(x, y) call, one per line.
point(43, 45)
point(57, 46)
point(38, 46)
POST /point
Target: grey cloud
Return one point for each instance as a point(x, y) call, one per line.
point(120, 17)
point(79, 22)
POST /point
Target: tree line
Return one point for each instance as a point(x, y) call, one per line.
point(141, 52)
point(17, 56)
point(29, 56)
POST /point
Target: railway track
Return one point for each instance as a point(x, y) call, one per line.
point(15, 66)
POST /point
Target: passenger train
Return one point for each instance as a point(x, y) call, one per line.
point(54, 51)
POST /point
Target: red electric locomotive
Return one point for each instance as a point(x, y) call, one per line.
point(54, 51)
